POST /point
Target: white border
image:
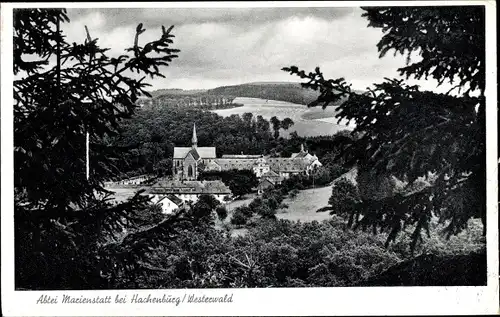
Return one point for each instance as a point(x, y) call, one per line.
point(298, 301)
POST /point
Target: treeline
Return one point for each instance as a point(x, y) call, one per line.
point(153, 132)
point(290, 92)
point(200, 101)
point(151, 135)
point(283, 91)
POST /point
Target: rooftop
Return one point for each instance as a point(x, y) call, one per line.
point(233, 163)
point(191, 187)
point(240, 156)
point(203, 152)
point(176, 200)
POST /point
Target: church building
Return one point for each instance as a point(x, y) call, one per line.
point(188, 160)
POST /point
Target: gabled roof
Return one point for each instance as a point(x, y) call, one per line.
point(264, 181)
point(242, 156)
point(189, 187)
point(237, 164)
point(299, 155)
point(203, 152)
point(271, 173)
point(176, 200)
point(211, 165)
point(285, 164)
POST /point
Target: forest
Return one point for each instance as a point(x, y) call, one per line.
point(153, 132)
point(70, 234)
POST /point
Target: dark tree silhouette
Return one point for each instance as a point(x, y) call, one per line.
point(287, 123)
point(409, 133)
point(276, 124)
point(68, 234)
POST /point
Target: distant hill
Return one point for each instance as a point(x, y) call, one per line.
point(270, 83)
point(176, 92)
point(283, 91)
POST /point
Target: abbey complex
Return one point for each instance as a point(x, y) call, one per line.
point(183, 186)
point(188, 161)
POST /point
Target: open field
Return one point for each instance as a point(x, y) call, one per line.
point(300, 208)
point(303, 207)
point(308, 121)
point(240, 202)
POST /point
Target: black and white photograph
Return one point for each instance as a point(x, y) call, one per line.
point(217, 148)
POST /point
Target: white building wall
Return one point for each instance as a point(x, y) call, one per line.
point(194, 197)
point(168, 206)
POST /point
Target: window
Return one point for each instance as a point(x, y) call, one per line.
point(190, 171)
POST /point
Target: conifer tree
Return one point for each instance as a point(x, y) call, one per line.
point(68, 234)
point(410, 133)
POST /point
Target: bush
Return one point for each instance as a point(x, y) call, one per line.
point(266, 212)
point(336, 170)
point(245, 210)
point(221, 213)
point(344, 197)
point(239, 218)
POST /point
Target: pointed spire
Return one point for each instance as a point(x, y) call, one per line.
point(302, 147)
point(194, 140)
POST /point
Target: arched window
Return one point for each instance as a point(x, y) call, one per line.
point(190, 171)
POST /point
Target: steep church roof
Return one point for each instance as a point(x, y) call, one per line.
point(196, 152)
point(203, 152)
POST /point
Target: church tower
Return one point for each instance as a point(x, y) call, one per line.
point(194, 140)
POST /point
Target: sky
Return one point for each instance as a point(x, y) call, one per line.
point(230, 46)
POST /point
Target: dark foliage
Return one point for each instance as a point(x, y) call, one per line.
point(240, 182)
point(221, 212)
point(272, 254)
point(203, 210)
point(427, 269)
point(409, 133)
point(240, 216)
point(290, 92)
point(153, 132)
point(344, 200)
point(68, 233)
